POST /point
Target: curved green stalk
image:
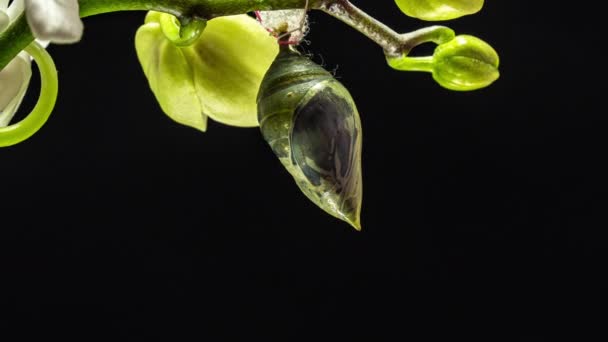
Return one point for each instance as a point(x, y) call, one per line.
point(412, 63)
point(25, 128)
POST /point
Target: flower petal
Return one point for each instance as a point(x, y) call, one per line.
point(55, 20)
point(4, 20)
point(218, 75)
point(14, 79)
point(229, 61)
point(169, 75)
point(15, 9)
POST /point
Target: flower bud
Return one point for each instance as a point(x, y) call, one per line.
point(465, 63)
point(436, 10)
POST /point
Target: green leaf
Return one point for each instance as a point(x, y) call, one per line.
point(218, 75)
point(437, 10)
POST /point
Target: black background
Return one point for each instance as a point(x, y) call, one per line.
point(482, 210)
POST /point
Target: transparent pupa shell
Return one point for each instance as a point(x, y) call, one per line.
point(311, 123)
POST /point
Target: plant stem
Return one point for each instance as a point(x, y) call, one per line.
point(12, 41)
point(393, 43)
point(202, 9)
point(345, 11)
point(18, 35)
point(412, 63)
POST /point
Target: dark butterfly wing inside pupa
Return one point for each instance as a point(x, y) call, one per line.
point(326, 147)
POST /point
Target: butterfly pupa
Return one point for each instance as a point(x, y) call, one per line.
point(311, 123)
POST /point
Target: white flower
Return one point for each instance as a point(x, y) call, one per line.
point(15, 77)
point(57, 21)
point(4, 19)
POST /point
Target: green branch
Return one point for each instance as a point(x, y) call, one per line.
point(18, 36)
point(203, 9)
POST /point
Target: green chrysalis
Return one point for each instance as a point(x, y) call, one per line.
point(311, 123)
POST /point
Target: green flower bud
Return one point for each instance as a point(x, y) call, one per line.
point(436, 10)
point(465, 63)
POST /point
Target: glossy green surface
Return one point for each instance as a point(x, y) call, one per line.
point(465, 63)
point(437, 10)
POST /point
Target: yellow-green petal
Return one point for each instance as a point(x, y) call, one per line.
point(229, 61)
point(217, 75)
point(169, 75)
point(153, 17)
point(437, 10)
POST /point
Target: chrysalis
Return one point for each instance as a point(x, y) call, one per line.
point(312, 124)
